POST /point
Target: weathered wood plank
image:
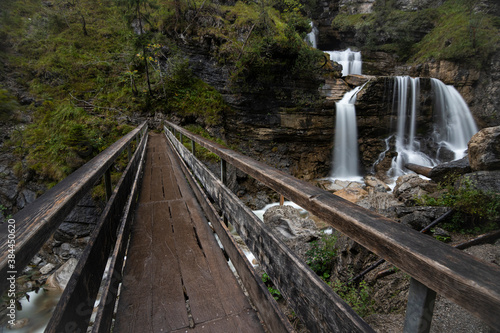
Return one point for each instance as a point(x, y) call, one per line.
point(168, 299)
point(319, 308)
point(274, 319)
point(77, 301)
point(233, 300)
point(197, 279)
point(36, 223)
point(459, 277)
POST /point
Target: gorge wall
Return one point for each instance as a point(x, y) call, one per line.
point(292, 126)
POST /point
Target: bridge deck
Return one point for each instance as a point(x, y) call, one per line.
point(176, 278)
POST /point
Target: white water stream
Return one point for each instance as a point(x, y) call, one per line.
point(345, 151)
point(350, 61)
point(455, 125)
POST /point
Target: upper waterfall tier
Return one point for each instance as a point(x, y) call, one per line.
point(350, 61)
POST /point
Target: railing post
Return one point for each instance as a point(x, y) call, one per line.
point(107, 183)
point(129, 152)
point(193, 150)
point(282, 200)
point(420, 308)
point(223, 178)
point(181, 138)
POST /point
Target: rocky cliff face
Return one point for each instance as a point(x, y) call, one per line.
point(292, 127)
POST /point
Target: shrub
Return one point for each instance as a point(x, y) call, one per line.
point(320, 256)
point(358, 297)
point(476, 210)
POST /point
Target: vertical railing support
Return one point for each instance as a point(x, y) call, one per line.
point(193, 150)
point(282, 200)
point(181, 138)
point(107, 183)
point(223, 178)
point(129, 152)
point(420, 308)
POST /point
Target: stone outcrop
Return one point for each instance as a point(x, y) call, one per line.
point(484, 149)
point(295, 230)
point(411, 185)
point(59, 279)
point(451, 169)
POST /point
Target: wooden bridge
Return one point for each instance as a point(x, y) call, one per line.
point(175, 277)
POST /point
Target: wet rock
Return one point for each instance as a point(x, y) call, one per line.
point(18, 324)
point(445, 171)
point(487, 181)
point(383, 203)
point(67, 250)
point(411, 186)
point(357, 80)
point(352, 194)
point(376, 184)
point(419, 217)
point(484, 149)
point(291, 227)
point(59, 279)
point(47, 268)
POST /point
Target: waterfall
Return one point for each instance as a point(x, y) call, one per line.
point(455, 125)
point(345, 153)
point(350, 61)
point(312, 37)
point(406, 98)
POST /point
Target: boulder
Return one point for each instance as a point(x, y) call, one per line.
point(59, 279)
point(450, 169)
point(352, 194)
point(410, 186)
point(383, 203)
point(419, 217)
point(376, 184)
point(487, 181)
point(484, 149)
point(291, 227)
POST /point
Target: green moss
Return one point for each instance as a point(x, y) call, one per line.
point(453, 31)
point(460, 35)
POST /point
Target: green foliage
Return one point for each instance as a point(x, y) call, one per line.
point(358, 297)
point(476, 210)
point(461, 34)
point(270, 286)
point(453, 31)
point(8, 105)
point(203, 153)
point(320, 256)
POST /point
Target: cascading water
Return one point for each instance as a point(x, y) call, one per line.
point(350, 61)
point(406, 97)
point(345, 153)
point(312, 37)
point(455, 125)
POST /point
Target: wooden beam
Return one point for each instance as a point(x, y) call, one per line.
point(470, 283)
point(36, 223)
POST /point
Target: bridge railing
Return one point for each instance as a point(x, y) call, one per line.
point(434, 266)
point(37, 222)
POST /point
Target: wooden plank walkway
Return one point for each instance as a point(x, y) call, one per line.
point(176, 278)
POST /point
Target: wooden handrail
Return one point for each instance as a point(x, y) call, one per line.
point(39, 220)
point(472, 284)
